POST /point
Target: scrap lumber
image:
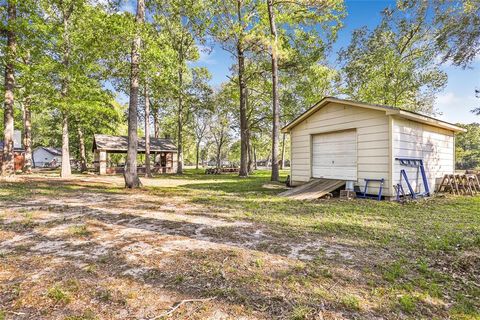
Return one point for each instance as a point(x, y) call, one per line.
point(460, 184)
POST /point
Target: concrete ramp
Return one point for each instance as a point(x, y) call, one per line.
point(314, 189)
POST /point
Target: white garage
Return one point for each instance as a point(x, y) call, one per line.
point(352, 141)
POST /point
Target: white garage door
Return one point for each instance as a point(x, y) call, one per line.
point(334, 155)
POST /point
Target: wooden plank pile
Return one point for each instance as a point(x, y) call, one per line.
point(221, 170)
point(314, 189)
point(460, 184)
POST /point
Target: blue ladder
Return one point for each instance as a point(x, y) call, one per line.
point(414, 163)
point(364, 193)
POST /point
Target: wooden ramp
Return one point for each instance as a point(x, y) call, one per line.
point(314, 189)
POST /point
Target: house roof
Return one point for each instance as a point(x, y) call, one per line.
point(119, 144)
point(389, 110)
point(53, 151)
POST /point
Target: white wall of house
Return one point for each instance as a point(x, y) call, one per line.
point(42, 157)
point(372, 135)
point(436, 146)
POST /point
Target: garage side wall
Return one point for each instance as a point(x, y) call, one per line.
point(372, 129)
point(434, 145)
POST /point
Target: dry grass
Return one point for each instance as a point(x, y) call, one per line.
point(86, 248)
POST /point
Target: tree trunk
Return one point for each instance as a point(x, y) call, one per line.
point(249, 152)
point(156, 127)
point(197, 151)
point(219, 155)
point(180, 122)
point(282, 164)
point(276, 103)
point(83, 153)
point(27, 135)
point(243, 172)
point(8, 162)
point(130, 175)
point(66, 169)
point(254, 157)
point(148, 172)
point(156, 131)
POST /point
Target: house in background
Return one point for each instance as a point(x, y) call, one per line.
point(46, 157)
point(352, 141)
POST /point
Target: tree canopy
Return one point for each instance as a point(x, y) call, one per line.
point(68, 68)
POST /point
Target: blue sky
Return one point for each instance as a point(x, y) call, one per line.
point(454, 103)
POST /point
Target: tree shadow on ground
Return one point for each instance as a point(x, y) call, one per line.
point(242, 279)
point(239, 271)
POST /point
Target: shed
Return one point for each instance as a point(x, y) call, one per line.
point(164, 149)
point(352, 141)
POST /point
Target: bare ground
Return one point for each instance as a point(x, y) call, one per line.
point(101, 252)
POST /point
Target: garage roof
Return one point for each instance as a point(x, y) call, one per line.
point(388, 111)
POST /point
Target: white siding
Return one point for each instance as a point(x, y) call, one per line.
point(42, 157)
point(416, 140)
point(372, 129)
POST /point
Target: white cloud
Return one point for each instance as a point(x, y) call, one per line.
point(456, 108)
point(128, 6)
point(206, 55)
point(445, 99)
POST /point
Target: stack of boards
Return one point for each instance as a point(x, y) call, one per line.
point(314, 189)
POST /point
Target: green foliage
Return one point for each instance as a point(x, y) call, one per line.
point(458, 35)
point(465, 309)
point(79, 230)
point(467, 147)
point(57, 294)
point(301, 313)
point(65, 45)
point(351, 302)
point(394, 271)
point(395, 63)
point(84, 47)
point(407, 303)
point(87, 315)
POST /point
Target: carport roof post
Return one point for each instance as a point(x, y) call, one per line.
point(388, 111)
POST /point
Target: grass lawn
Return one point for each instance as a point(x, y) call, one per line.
point(85, 248)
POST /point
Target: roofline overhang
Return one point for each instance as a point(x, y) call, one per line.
point(388, 111)
point(426, 120)
point(138, 151)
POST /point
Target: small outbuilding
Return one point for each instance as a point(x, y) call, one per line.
point(164, 150)
point(352, 141)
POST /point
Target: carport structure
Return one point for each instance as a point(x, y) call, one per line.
point(164, 149)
